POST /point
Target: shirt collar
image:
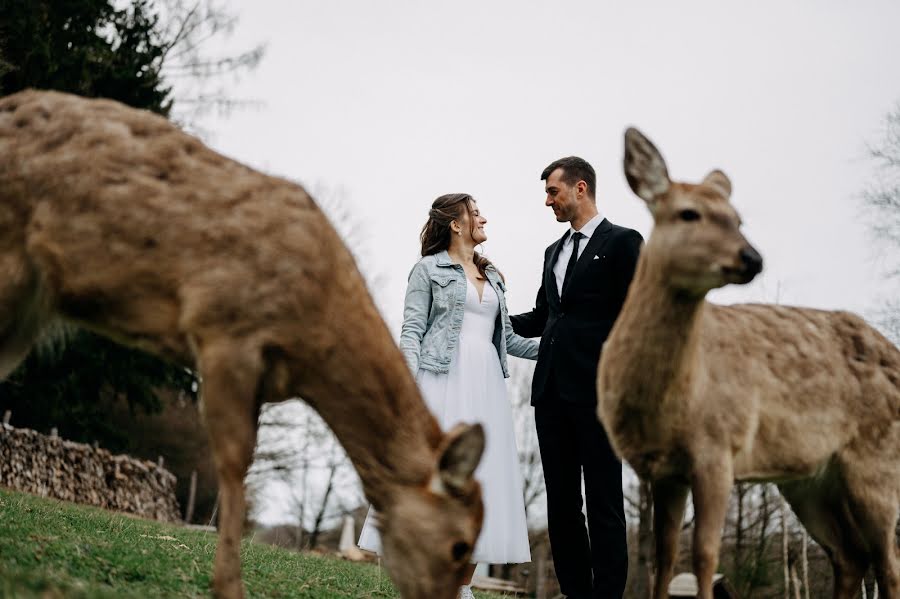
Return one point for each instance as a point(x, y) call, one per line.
point(589, 227)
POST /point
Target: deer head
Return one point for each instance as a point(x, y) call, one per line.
point(696, 241)
point(426, 528)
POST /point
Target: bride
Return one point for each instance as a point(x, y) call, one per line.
point(456, 335)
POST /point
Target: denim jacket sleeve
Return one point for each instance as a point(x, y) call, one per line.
point(519, 346)
point(516, 345)
point(416, 307)
point(532, 324)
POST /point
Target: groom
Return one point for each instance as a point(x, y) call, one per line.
point(585, 277)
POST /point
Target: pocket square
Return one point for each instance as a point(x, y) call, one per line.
point(596, 257)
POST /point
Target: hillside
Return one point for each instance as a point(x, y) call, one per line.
point(51, 549)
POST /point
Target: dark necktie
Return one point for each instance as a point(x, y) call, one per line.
point(576, 239)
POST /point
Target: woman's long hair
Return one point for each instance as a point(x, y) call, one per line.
point(436, 233)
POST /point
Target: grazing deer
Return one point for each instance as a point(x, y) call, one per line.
point(113, 219)
point(695, 395)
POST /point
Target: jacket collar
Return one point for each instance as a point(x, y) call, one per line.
point(593, 247)
point(442, 258)
point(589, 227)
point(493, 275)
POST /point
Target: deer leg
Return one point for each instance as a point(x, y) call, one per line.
point(711, 487)
point(873, 491)
point(669, 499)
point(848, 576)
point(24, 310)
point(887, 566)
point(230, 410)
point(821, 508)
point(878, 524)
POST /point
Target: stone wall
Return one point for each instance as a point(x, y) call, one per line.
point(51, 467)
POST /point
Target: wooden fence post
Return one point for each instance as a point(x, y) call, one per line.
point(784, 549)
point(215, 509)
point(540, 591)
point(805, 566)
point(192, 493)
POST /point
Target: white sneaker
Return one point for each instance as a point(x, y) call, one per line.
point(465, 592)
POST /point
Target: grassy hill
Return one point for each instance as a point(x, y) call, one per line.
point(52, 549)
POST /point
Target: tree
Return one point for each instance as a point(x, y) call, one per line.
point(4, 69)
point(642, 577)
point(533, 487)
point(127, 53)
point(881, 200)
point(64, 385)
point(85, 47)
point(143, 53)
point(198, 76)
point(298, 456)
point(91, 48)
point(749, 537)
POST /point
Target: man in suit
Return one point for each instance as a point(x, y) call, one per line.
point(585, 278)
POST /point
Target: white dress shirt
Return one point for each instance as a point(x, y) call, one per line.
point(559, 269)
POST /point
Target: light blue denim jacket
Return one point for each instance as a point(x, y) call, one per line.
point(433, 314)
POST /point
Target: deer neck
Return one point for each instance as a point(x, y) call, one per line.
point(367, 396)
point(656, 338)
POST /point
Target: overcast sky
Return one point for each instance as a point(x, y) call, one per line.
point(386, 105)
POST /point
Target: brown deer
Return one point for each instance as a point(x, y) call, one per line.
point(695, 395)
point(114, 220)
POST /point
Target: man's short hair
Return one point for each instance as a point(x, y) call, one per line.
point(574, 169)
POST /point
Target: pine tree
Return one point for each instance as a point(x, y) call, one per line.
point(91, 48)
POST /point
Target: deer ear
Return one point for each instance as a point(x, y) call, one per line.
point(458, 458)
point(720, 182)
point(645, 168)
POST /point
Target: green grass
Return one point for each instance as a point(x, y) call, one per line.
point(52, 549)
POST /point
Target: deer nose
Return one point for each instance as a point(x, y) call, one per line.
point(751, 260)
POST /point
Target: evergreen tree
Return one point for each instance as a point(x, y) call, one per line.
point(85, 47)
point(91, 48)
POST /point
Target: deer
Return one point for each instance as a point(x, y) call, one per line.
point(115, 220)
point(695, 395)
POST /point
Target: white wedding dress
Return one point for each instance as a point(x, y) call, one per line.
point(474, 390)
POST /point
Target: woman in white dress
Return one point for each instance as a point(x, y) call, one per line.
point(456, 335)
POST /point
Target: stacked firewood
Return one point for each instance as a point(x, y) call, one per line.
point(52, 467)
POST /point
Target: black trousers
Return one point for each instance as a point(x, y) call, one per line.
point(590, 562)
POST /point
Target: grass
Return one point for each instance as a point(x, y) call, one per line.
point(51, 549)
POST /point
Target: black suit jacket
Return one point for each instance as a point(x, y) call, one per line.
point(574, 327)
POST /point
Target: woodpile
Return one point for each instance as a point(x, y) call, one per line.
point(52, 467)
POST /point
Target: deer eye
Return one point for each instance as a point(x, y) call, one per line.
point(460, 550)
point(689, 215)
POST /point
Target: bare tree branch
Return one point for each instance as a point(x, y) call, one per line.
point(881, 204)
point(190, 27)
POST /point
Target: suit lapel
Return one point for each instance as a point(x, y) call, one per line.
point(594, 246)
point(549, 276)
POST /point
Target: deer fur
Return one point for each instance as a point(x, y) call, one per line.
point(695, 395)
point(116, 221)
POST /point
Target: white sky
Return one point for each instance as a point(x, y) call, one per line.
point(390, 104)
